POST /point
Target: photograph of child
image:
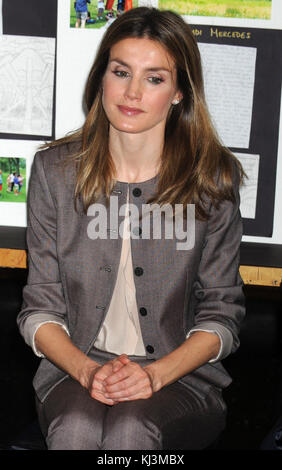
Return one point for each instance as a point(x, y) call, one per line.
point(94, 14)
point(12, 179)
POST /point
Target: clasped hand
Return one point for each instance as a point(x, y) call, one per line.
point(120, 380)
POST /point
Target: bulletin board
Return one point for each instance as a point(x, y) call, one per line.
point(239, 65)
point(243, 47)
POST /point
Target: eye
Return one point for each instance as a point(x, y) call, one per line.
point(120, 73)
point(155, 80)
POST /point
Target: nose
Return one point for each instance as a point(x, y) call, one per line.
point(133, 90)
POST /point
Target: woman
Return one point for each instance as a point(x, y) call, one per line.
point(132, 330)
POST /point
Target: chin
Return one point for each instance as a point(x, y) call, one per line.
point(129, 129)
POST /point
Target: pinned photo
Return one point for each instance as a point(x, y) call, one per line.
point(252, 9)
point(94, 14)
point(12, 179)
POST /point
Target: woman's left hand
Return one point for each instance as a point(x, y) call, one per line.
point(131, 382)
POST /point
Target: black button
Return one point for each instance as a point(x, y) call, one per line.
point(106, 268)
point(200, 294)
point(143, 311)
point(137, 192)
point(137, 231)
point(138, 271)
point(150, 349)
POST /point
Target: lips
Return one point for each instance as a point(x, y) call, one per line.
point(128, 111)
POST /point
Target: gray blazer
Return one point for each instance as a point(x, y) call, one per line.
point(72, 276)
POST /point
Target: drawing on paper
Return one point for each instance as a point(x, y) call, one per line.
point(12, 179)
point(26, 85)
point(229, 73)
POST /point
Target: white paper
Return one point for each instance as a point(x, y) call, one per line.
point(249, 189)
point(229, 76)
point(26, 84)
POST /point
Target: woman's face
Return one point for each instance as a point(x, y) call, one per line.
point(139, 86)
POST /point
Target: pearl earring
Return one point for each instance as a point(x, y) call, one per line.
point(176, 102)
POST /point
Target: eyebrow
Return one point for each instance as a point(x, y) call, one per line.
point(150, 69)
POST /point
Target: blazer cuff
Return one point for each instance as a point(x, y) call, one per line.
point(225, 336)
point(31, 325)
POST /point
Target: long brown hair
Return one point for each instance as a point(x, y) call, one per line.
point(194, 163)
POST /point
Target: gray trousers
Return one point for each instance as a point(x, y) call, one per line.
point(175, 417)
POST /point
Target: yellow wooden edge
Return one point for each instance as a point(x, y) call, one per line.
point(252, 275)
point(261, 276)
point(12, 258)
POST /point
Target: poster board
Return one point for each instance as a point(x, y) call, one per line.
point(75, 51)
point(239, 65)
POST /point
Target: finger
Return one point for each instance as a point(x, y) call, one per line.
point(117, 376)
point(104, 371)
point(119, 362)
point(97, 391)
point(121, 384)
point(137, 395)
point(131, 368)
point(124, 359)
point(143, 387)
point(117, 365)
point(100, 397)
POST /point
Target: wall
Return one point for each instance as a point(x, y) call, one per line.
point(75, 53)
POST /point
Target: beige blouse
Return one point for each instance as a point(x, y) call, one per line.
point(120, 332)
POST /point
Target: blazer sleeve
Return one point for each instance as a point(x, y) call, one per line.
point(43, 295)
point(218, 288)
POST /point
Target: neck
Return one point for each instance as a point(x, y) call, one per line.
point(136, 157)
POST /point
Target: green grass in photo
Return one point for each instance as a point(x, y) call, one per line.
point(5, 194)
point(92, 8)
point(256, 9)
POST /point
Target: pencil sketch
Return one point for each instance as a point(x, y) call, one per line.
point(26, 85)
